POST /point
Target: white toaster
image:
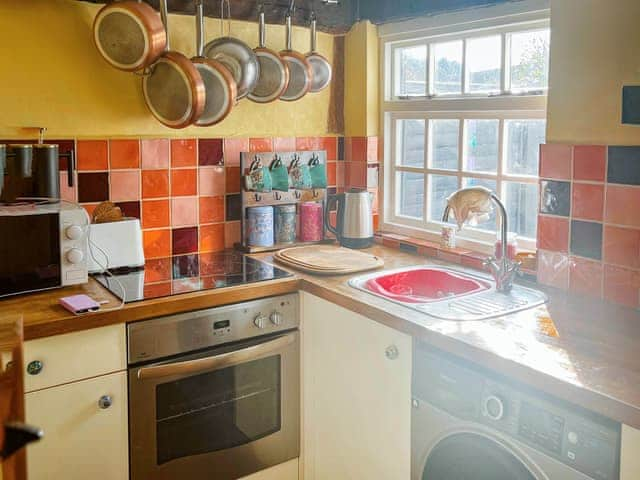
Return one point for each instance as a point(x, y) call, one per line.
point(115, 245)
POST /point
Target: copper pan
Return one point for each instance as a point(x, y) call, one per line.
point(300, 71)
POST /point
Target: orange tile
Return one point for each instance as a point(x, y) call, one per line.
point(154, 290)
point(356, 175)
point(155, 213)
point(124, 154)
point(232, 149)
point(184, 153)
point(232, 181)
point(330, 144)
point(92, 155)
point(211, 209)
point(620, 202)
point(157, 270)
point(307, 143)
point(553, 234)
point(184, 182)
point(358, 149)
point(331, 173)
point(284, 144)
point(157, 243)
point(589, 162)
point(621, 285)
point(585, 276)
point(588, 201)
point(376, 222)
point(89, 207)
point(621, 246)
point(555, 161)
point(553, 269)
point(231, 234)
point(212, 237)
point(155, 183)
point(260, 145)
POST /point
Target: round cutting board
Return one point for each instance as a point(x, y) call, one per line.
point(328, 259)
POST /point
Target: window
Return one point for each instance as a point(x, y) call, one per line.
point(464, 107)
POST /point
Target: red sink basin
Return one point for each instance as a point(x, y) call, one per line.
point(424, 285)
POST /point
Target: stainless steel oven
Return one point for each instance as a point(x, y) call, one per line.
point(215, 394)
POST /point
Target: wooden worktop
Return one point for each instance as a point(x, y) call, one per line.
point(580, 349)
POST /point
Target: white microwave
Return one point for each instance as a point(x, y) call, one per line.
point(42, 246)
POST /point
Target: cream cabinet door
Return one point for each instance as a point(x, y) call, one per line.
point(284, 471)
point(356, 396)
point(630, 454)
point(84, 437)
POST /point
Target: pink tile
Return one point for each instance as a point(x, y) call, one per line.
point(587, 201)
point(232, 149)
point(284, 144)
point(621, 285)
point(155, 153)
point(553, 269)
point(589, 162)
point(620, 202)
point(307, 143)
point(66, 192)
point(621, 246)
point(555, 161)
point(184, 211)
point(341, 174)
point(372, 150)
point(125, 185)
point(553, 233)
point(585, 277)
point(211, 181)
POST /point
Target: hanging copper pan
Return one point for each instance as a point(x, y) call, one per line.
point(174, 90)
point(321, 67)
point(300, 72)
point(129, 34)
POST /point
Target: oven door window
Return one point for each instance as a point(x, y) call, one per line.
point(218, 410)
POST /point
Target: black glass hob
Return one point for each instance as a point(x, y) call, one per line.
point(162, 277)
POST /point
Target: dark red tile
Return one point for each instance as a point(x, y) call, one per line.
point(186, 266)
point(93, 187)
point(185, 240)
point(589, 162)
point(64, 148)
point(210, 151)
point(130, 209)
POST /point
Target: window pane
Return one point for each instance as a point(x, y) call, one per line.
point(521, 204)
point(440, 187)
point(523, 143)
point(447, 67)
point(481, 145)
point(444, 143)
point(410, 187)
point(410, 147)
point(411, 71)
point(529, 60)
point(490, 223)
point(484, 62)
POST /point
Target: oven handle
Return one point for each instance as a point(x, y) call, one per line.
point(217, 362)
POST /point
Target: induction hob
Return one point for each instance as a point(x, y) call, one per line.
point(162, 277)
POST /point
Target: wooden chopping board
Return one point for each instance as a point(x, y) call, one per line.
point(328, 259)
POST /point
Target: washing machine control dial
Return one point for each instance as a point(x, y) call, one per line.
point(493, 407)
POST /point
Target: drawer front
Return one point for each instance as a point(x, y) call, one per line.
point(74, 356)
point(85, 427)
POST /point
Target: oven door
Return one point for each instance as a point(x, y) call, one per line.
point(219, 414)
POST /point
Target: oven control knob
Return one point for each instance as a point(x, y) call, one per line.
point(493, 407)
point(74, 232)
point(260, 321)
point(75, 255)
point(276, 318)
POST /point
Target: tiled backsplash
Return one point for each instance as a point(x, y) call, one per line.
point(589, 221)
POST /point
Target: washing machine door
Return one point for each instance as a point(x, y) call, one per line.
point(470, 456)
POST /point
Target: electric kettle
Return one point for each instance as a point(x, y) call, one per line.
point(354, 219)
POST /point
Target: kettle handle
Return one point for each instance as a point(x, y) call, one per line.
point(331, 200)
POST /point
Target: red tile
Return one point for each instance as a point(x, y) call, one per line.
point(130, 209)
point(232, 149)
point(184, 182)
point(372, 150)
point(555, 161)
point(232, 180)
point(553, 234)
point(155, 213)
point(356, 175)
point(585, 276)
point(260, 145)
point(358, 149)
point(184, 153)
point(331, 174)
point(157, 243)
point(621, 246)
point(330, 145)
point(284, 144)
point(210, 151)
point(211, 209)
point(232, 234)
point(621, 285)
point(589, 162)
point(92, 155)
point(347, 148)
point(588, 201)
point(157, 270)
point(156, 290)
point(553, 269)
point(155, 183)
point(155, 153)
point(212, 237)
point(621, 205)
point(184, 240)
point(307, 143)
point(124, 154)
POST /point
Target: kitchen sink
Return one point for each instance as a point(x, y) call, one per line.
point(447, 293)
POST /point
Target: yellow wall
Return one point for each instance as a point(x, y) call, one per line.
point(595, 50)
point(52, 75)
point(361, 101)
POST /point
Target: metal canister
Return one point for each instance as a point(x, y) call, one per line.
point(18, 181)
point(311, 222)
point(46, 171)
point(284, 222)
point(260, 226)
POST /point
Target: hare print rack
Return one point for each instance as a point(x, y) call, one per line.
point(284, 195)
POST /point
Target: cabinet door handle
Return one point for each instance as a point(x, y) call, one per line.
point(392, 352)
point(105, 402)
point(35, 367)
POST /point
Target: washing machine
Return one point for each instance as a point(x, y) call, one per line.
point(470, 424)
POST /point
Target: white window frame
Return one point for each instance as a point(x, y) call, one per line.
point(504, 20)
